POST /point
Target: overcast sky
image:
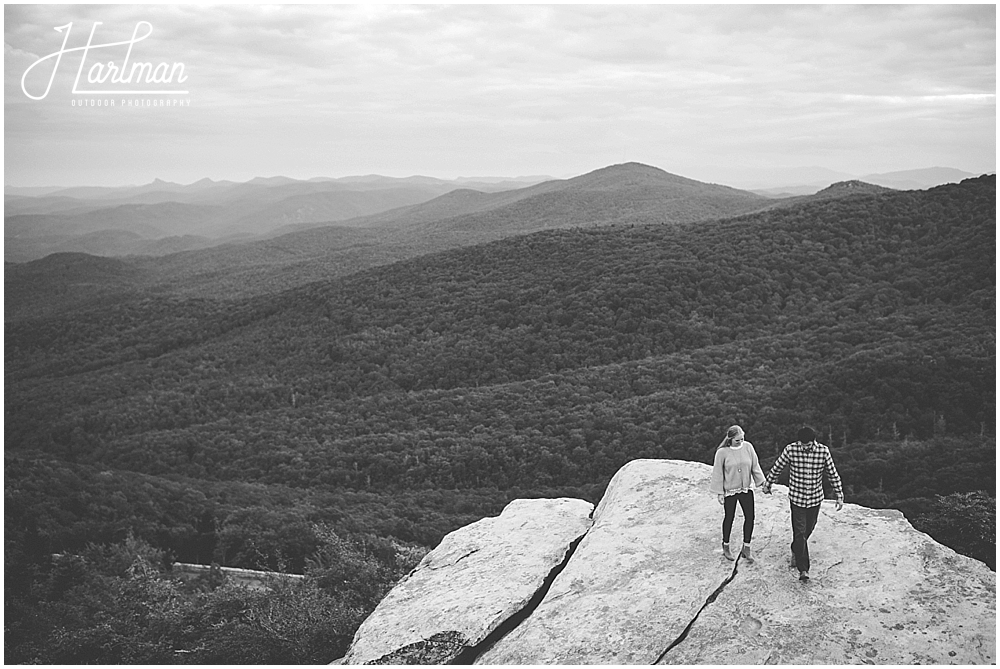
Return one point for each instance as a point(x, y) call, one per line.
point(728, 94)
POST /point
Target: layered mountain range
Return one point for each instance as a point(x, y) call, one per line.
point(622, 194)
point(162, 217)
point(288, 255)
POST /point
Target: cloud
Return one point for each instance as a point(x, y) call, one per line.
point(447, 89)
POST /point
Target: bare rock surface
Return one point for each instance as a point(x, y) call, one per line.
point(880, 593)
point(647, 584)
point(636, 580)
point(477, 578)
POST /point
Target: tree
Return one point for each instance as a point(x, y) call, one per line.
point(964, 521)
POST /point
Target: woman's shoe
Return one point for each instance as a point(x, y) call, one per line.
point(745, 553)
point(726, 553)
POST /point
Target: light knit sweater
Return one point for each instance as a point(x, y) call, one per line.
point(736, 470)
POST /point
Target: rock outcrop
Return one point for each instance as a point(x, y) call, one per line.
point(647, 584)
point(636, 580)
point(478, 577)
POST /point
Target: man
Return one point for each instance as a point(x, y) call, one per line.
point(808, 460)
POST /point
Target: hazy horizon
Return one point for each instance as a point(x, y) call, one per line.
point(722, 94)
point(467, 177)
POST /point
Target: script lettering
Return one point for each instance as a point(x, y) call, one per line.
point(100, 73)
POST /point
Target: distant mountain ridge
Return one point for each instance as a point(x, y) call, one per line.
point(836, 190)
point(43, 221)
point(918, 179)
point(812, 181)
point(414, 222)
point(395, 219)
point(626, 193)
point(135, 220)
point(852, 187)
point(303, 251)
point(796, 178)
point(159, 185)
point(629, 194)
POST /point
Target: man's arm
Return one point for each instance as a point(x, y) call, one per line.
point(834, 478)
point(776, 469)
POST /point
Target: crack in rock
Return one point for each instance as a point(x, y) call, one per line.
point(475, 550)
point(453, 562)
point(472, 653)
point(835, 564)
point(711, 598)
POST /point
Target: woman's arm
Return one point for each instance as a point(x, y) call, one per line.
point(755, 470)
point(718, 473)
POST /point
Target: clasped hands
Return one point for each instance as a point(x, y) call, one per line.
point(766, 489)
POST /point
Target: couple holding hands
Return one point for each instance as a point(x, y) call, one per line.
point(737, 470)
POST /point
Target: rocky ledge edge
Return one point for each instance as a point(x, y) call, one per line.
point(641, 580)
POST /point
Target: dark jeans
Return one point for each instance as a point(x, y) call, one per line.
point(746, 502)
point(803, 522)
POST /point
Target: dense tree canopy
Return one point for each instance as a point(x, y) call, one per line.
point(870, 315)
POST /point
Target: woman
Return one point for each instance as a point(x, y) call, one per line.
point(735, 472)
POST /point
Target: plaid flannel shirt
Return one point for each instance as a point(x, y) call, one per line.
point(805, 477)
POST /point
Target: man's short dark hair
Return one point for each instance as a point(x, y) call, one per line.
point(806, 434)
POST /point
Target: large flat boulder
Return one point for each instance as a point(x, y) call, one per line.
point(880, 593)
point(647, 584)
point(637, 579)
point(478, 577)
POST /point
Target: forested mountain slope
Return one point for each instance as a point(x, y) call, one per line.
point(870, 316)
point(303, 430)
